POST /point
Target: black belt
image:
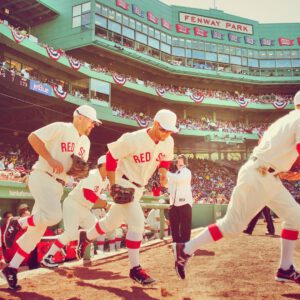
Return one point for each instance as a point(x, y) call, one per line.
point(270, 170)
point(136, 184)
point(62, 182)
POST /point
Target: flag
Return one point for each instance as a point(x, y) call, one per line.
point(141, 122)
point(160, 91)
point(278, 104)
point(119, 78)
point(197, 97)
point(59, 92)
point(18, 37)
point(54, 54)
point(74, 63)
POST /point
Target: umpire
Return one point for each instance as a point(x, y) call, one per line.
point(181, 200)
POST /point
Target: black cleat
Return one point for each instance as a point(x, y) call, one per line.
point(49, 262)
point(139, 275)
point(12, 228)
point(181, 259)
point(83, 242)
point(290, 275)
point(10, 275)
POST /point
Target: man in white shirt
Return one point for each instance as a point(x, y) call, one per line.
point(181, 201)
point(259, 185)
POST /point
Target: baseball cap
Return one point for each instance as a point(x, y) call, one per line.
point(23, 206)
point(101, 160)
point(166, 119)
point(297, 98)
point(88, 112)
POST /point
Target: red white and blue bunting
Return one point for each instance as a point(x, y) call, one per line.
point(141, 122)
point(119, 78)
point(160, 91)
point(197, 97)
point(54, 54)
point(18, 37)
point(242, 102)
point(74, 63)
point(278, 104)
point(59, 92)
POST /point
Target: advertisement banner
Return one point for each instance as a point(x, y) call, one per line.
point(42, 88)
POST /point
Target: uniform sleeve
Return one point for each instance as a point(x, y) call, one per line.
point(49, 132)
point(122, 147)
point(87, 188)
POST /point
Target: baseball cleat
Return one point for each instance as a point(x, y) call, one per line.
point(290, 275)
point(10, 275)
point(12, 228)
point(139, 275)
point(181, 259)
point(83, 242)
point(49, 262)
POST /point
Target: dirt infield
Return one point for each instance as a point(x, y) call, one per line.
point(241, 268)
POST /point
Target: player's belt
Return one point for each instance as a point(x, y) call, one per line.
point(136, 184)
point(62, 182)
point(269, 169)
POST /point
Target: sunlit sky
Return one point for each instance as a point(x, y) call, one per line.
point(263, 11)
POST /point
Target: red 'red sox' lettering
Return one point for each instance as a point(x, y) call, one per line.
point(142, 157)
point(67, 147)
point(81, 152)
point(160, 157)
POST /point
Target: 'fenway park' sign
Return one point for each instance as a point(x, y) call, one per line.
point(215, 23)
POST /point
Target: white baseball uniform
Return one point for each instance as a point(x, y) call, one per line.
point(61, 140)
point(276, 153)
point(77, 206)
point(138, 157)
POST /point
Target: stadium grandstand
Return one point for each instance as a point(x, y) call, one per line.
point(226, 77)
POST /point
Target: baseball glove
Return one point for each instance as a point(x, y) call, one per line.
point(79, 169)
point(290, 176)
point(121, 195)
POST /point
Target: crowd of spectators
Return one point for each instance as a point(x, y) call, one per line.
point(204, 123)
point(180, 90)
point(15, 161)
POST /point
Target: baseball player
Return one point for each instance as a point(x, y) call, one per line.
point(139, 154)
point(55, 144)
point(259, 185)
point(77, 209)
